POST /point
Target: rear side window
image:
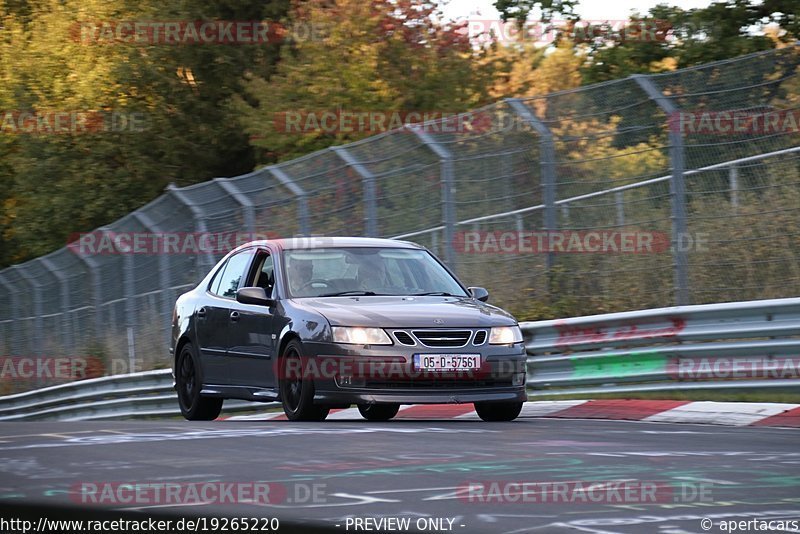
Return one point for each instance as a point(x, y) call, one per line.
point(230, 275)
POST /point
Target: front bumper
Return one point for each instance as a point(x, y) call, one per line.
point(364, 396)
point(386, 374)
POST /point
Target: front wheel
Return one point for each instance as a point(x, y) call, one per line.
point(189, 382)
point(378, 412)
point(297, 390)
point(498, 411)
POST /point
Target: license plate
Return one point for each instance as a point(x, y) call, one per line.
point(447, 362)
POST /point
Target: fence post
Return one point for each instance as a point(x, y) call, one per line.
point(368, 186)
point(206, 259)
point(97, 291)
point(167, 299)
point(507, 178)
point(66, 338)
point(733, 178)
point(677, 189)
point(37, 308)
point(14, 312)
point(619, 200)
point(300, 195)
point(248, 212)
point(129, 270)
point(547, 151)
point(448, 187)
point(129, 290)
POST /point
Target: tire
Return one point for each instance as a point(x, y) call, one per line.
point(378, 412)
point(498, 411)
point(188, 383)
point(297, 392)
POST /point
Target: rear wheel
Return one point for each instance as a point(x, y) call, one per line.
point(498, 411)
point(189, 382)
point(296, 389)
point(378, 412)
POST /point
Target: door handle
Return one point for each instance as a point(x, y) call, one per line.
point(201, 312)
point(234, 316)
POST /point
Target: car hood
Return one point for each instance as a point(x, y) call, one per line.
point(407, 312)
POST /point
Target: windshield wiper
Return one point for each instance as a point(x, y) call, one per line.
point(354, 293)
point(435, 293)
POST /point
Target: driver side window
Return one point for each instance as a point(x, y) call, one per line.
point(263, 274)
point(231, 275)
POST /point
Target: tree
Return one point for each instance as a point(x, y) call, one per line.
point(521, 10)
point(720, 31)
point(374, 56)
point(559, 70)
point(511, 69)
point(175, 94)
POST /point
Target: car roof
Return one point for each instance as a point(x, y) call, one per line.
point(313, 242)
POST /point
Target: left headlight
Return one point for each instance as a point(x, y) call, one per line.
point(360, 336)
point(505, 335)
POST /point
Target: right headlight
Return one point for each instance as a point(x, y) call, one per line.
point(360, 336)
point(505, 335)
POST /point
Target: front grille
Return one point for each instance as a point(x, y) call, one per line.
point(443, 338)
point(480, 337)
point(404, 338)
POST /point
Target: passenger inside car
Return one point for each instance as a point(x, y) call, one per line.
point(371, 275)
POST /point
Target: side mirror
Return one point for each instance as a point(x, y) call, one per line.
point(254, 295)
point(479, 293)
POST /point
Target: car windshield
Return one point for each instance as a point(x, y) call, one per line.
point(367, 271)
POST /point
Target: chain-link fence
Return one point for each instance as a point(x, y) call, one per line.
point(674, 188)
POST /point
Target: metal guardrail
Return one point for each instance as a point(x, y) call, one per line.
point(733, 346)
point(128, 396)
point(713, 346)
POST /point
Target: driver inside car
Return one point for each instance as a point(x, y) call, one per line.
point(300, 272)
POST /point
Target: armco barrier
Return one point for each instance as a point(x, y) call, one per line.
point(738, 345)
point(135, 395)
point(734, 346)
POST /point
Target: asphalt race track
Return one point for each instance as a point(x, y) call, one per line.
point(339, 471)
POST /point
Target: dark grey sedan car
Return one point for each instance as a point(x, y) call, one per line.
point(327, 322)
